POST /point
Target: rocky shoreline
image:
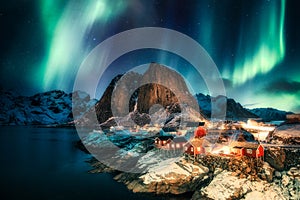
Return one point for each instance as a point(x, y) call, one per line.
point(209, 176)
point(216, 183)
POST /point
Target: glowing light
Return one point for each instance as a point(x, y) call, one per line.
point(254, 126)
point(221, 149)
point(67, 29)
point(270, 44)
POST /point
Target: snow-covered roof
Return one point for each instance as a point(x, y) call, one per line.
point(179, 140)
point(251, 145)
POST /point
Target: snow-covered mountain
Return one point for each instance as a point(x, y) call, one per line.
point(53, 107)
point(234, 110)
point(270, 114)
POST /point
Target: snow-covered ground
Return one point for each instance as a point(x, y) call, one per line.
point(171, 169)
point(261, 136)
point(226, 186)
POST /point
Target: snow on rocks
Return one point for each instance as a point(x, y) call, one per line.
point(173, 169)
point(173, 175)
point(226, 186)
point(286, 134)
point(153, 171)
point(289, 182)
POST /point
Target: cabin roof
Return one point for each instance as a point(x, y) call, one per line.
point(179, 140)
point(196, 142)
point(249, 145)
point(165, 137)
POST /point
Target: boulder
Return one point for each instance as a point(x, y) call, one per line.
point(276, 158)
point(268, 171)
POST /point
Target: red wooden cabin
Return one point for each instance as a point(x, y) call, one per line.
point(194, 147)
point(253, 150)
point(162, 140)
point(177, 143)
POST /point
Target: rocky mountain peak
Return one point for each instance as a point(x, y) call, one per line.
point(159, 85)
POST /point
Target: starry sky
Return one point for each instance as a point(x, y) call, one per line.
point(254, 44)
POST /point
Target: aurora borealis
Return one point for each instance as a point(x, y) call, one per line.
point(68, 33)
point(255, 44)
point(269, 42)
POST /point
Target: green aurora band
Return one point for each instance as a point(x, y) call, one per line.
point(261, 54)
point(66, 28)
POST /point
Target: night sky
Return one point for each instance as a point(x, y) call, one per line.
point(254, 44)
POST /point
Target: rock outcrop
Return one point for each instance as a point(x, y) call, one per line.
point(276, 158)
point(103, 106)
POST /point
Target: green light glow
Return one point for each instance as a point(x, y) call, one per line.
point(259, 55)
point(280, 101)
point(66, 29)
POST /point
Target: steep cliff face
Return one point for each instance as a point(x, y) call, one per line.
point(163, 86)
point(152, 94)
point(125, 94)
point(103, 106)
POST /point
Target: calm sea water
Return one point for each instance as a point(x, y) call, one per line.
point(43, 163)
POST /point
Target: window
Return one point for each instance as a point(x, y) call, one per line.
point(177, 145)
point(198, 149)
point(249, 151)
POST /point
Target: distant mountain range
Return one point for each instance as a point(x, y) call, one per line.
point(236, 111)
point(160, 91)
point(53, 107)
point(270, 114)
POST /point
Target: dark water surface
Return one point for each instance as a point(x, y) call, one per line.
point(43, 163)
